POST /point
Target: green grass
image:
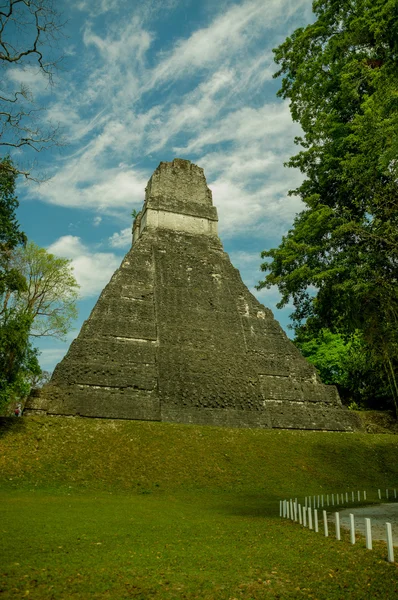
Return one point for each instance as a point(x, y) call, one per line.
point(105, 509)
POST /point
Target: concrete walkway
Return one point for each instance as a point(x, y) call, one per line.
point(379, 516)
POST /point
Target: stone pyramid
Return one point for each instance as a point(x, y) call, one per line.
point(177, 336)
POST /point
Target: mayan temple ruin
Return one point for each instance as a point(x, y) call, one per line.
point(176, 335)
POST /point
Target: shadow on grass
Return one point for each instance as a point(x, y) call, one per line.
point(371, 465)
point(10, 425)
point(250, 505)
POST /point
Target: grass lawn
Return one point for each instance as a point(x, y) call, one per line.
point(103, 509)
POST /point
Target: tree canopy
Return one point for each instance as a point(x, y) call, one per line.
point(38, 295)
point(348, 364)
point(338, 264)
point(51, 292)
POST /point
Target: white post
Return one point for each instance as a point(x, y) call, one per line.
point(390, 546)
point(352, 529)
point(300, 517)
point(337, 499)
point(337, 518)
point(359, 496)
point(295, 509)
point(368, 534)
point(379, 494)
point(280, 508)
point(325, 524)
point(284, 508)
point(364, 495)
point(291, 510)
point(316, 521)
point(352, 496)
point(287, 509)
point(305, 516)
point(309, 518)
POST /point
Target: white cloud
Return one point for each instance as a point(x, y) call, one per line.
point(92, 270)
point(67, 246)
point(200, 93)
point(121, 239)
point(252, 195)
point(246, 126)
point(84, 184)
point(196, 111)
point(99, 7)
point(97, 221)
point(31, 77)
point(231, 31)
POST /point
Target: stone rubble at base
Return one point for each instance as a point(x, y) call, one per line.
point(176, 335)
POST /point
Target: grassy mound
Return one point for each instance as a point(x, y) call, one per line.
point(135, 456)
point(125, 509)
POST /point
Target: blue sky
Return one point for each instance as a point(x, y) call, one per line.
point(147, 81)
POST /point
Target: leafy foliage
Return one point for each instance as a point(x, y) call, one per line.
point(17, 358)
point(10, 234)
point(348, 364)
point(15, 351)
point(38, 294)
point(339, 262)
point(51, 293)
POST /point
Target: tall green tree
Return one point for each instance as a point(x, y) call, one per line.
point(348, 364)
point(51, 292)
point(10, 234)
point(14, 328)
point(338, 264)
point(38, 295)
point(44, 306)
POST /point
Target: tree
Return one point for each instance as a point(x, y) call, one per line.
point(44, 306)
point(39, 379)
point(38, 295)
point(15, 352)
point(18, 359)
point(11, 280)
point(339, 262)
point(51, 293)
point(346, 363)
point(29, 31)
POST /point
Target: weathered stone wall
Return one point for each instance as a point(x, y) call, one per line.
point(176, 336)
point(191, 184)
point(186, 207)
